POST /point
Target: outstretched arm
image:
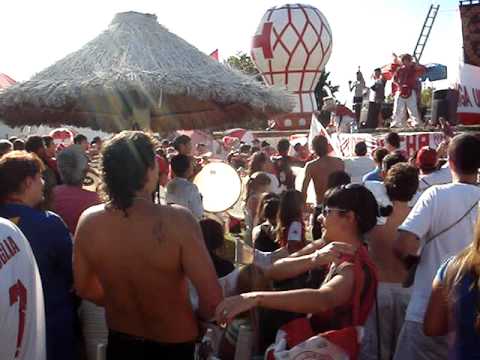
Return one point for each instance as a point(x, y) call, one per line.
point(310, 248)
point(292, 266)
point(197, 264)
point(336, 292)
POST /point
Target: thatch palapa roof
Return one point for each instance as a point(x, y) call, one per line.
point(138, 73)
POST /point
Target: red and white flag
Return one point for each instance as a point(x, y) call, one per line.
point(214, 55)
point(316, 128)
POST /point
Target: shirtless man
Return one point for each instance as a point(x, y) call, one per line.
point(319, 170)
point(134, 257)
point(401, 183)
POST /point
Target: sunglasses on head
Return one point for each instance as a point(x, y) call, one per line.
point(328, 210)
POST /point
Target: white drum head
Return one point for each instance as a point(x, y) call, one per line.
point(220, 186)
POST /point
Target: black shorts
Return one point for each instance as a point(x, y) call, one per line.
point(317, 225)
point(127, 347)
point(357, 99)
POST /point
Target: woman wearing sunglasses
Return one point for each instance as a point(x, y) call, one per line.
point(350, 211)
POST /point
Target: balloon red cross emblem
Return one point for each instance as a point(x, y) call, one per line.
point(263, 41)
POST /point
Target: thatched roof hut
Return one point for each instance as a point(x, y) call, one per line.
point(137, 73)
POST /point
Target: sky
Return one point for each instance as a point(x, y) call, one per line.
point(34, 34)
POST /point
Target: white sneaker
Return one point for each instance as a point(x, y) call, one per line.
point(416, 124)
point(395, 125)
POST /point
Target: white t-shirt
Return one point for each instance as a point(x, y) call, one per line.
point(183, 192)
point(358, 166)
point(439, 177)
point(439, 207)
point(22, 312)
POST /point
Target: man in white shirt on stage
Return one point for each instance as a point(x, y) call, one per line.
point(22, 313)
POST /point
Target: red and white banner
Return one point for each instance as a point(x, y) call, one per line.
point(316, 128)
point(469, 94)
point(410, 142)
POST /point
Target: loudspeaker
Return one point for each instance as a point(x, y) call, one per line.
point(369, 115)
point(444, 104)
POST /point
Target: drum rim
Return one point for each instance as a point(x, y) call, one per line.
point(239, 179)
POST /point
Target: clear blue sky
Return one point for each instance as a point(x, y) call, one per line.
point(34, 34)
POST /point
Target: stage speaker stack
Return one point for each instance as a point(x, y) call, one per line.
point(444, 104)
point(369, 115)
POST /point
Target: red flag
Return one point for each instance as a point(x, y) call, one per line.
point(6, 81)
point(214, 55)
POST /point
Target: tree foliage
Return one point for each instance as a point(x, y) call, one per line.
point(244, 63)
point(426, 96)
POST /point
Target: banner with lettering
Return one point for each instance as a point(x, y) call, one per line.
point(410, 141)
point(469, 94)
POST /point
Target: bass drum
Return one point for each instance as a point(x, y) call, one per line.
point(220, 186)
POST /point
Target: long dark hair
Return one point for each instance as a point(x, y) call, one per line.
point(291, 209)
point(358, 199)
point(125, 161)
point(268, 205)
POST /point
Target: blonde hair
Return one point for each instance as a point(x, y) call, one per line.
point(466, 262)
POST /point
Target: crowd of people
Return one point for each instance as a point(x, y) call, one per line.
point(138, 269)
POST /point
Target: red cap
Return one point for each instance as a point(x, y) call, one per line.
point(426, 158)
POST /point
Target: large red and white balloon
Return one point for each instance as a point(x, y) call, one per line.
point(291, 47)
point(62, 136)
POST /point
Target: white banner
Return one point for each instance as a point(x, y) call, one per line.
point(410, 142)
point(469, 89)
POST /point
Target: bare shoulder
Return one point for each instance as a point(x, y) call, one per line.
point(91, 214)
point(176, 215)
point(311, 164)
point(332, 162)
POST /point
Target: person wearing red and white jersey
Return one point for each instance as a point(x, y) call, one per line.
point(405, 80)
point(22, 313)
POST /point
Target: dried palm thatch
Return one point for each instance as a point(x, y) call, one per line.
point(138, 74)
